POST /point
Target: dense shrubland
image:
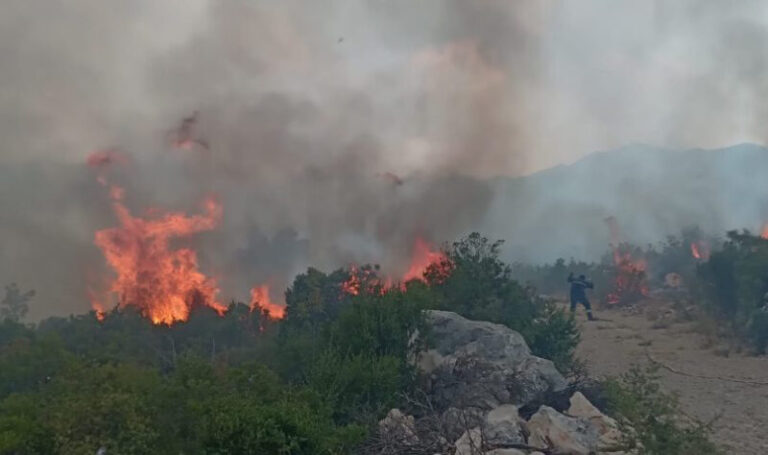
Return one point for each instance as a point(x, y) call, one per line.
point(732, 287)
point(651, 418)
point(315, 382)
point(727, 285)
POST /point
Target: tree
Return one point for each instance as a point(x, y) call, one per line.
point(14, 304)
point(474, 282)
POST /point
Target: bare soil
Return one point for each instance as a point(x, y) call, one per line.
point(622, 338)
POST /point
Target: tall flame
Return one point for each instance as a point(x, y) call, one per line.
point(422, 257)
point(162, 282)
point(260, 300)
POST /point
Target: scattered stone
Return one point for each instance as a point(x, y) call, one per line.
point(398, 428)
point(505, 452)
point(563, 434)
point(503, 427)
point(606, 427)
point(470, 443)
point(456, 421)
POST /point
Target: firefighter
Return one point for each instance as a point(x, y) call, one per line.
point(579, 288)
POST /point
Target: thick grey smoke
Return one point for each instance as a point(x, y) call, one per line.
point(340, 130)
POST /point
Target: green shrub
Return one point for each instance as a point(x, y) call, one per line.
point(480, 286)
point(733, 286)
point(652, 418)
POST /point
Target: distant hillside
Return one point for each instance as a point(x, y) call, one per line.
point(652, 192)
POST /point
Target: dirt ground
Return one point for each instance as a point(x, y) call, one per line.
point(622, 338)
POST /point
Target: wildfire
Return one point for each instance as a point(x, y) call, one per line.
point(630, 282)
point(260, 300)
point(700, 250)
point(764, 232)
point(630, 278)
point(423, 256)
point(365, 279)
point(165, 284)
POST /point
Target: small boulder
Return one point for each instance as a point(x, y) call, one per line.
point(503, 426)
point(479, 363)
point(565, 435)
point(398, 428)
point(456, 421)
point(470, 443)
point(607, 427)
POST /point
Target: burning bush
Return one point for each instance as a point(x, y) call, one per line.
point(340, 360)
point(629, 275)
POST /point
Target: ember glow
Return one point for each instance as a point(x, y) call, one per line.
point(260, 300)
point(630, 283)
point(700, 250)
point(764, 232)
point(163, 283)
point(105, 158)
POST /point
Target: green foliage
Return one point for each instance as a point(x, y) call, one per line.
point(353, 350)
point(358, 387)
point(554, 335)
point(313, 383)
point(480, 286)
point(653, 418)
point(14, 305)
point(733, 285)
point(195, 409)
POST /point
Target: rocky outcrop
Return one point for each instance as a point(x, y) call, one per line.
point(503, 427)
point(398, 429)
point(607, 428)
point(563, 434)
point(482, 364)
point(470, 443)
point(480, 375)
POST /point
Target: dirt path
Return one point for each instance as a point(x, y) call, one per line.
point(610, 346)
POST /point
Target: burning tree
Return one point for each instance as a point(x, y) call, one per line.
point(629, 280)
point(165, 284)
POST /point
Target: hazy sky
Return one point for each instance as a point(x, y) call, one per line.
point(490, 87)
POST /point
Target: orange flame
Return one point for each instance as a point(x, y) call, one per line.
point(260, 300)
point(163, 283)
point(352, 285)
point(764, 232)
point(700, 250)
point(695, 251)
point(630, 277)
point(422, 257)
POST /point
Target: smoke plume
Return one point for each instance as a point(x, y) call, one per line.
point(336, 132)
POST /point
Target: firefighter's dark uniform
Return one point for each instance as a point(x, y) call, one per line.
point(579, 288)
